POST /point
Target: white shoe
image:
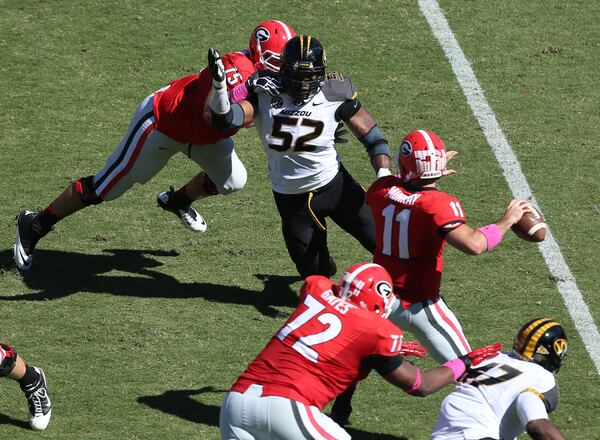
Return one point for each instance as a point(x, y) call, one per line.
point(40, 407)
point(190, 218)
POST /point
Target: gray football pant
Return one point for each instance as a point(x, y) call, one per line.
point(251, 416)
point(435, 327)
point(144, 151)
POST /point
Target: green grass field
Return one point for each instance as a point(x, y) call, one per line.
point(142, 326)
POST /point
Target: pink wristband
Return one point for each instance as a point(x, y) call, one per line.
point(457, 366)
point(492, 234)
point(239, 93)
point(417, 383)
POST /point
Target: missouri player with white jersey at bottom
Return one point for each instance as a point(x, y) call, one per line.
point(333, 339)
point(297, 129)
point(509, 393)
point(413, 222)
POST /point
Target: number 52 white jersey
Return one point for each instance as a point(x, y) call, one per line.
point(298, 138)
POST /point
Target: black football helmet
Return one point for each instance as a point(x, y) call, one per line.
point(543, 341)
point(303, 65)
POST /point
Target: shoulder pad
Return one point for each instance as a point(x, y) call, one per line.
point(338, 87)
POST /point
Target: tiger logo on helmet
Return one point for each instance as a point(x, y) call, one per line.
point(421, 155)
point(266, 43)
point(368, 286)
point(542, 341)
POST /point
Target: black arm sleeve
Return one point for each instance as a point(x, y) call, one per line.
point(382, 364)
point(347, 109)
point(231, 120)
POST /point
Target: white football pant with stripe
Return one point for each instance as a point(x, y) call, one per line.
point(144, 151)
point(251, 416)
point(435, 327)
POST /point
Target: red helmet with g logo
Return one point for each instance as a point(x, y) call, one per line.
point(368, 286)
point(266, 43)
point(421, 155)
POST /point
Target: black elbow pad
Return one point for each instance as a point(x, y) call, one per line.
point(222, 122)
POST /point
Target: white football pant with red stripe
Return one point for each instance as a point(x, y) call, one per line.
point(251, 416)
point(435, 327)
point(144, 151)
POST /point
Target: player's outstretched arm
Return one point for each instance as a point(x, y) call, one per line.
point(543, 429)
point(477, 241)
point(365, 128)
point(223, 115)
point(423, 383)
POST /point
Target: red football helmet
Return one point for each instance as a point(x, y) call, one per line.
point(266, 43)
point(421, 155)
point(369, 286)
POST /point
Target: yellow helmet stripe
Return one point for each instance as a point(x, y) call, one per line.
point(301, 46)
point(308, 38)
point(528, 352)
point(526, 333)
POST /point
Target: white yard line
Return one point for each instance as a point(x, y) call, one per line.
point(565, 282)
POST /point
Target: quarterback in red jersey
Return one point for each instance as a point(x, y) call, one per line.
point(332, 340)
point(413, 222)
point(169, 121)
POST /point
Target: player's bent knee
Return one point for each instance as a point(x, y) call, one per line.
point(8, 359)
point(234, 183)
point(86, 191)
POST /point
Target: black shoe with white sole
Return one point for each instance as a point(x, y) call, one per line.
point(190, 218)
point(27, 238)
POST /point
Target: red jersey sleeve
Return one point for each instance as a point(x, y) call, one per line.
point(238, 68)
point(446, 211)
point(387, 342)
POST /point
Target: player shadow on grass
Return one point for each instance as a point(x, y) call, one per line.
point(58, 274)
point(8, 420)
point(180, 403)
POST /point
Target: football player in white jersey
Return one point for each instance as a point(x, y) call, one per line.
point(510, 393)
point(297, 128)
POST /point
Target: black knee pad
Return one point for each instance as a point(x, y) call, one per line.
point(84, 187)
point(8, 361)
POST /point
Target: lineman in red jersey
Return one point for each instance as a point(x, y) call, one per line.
point(413, 222)
point(331, 341)
point(168, 121)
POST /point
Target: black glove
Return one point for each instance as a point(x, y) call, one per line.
point(264, 81)
point(340, 133)
point(217, 69)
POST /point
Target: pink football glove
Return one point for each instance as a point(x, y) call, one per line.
point(412, 348)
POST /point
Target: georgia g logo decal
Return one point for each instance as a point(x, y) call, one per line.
point(262, 34)
point(406, 149)
point(384, 289)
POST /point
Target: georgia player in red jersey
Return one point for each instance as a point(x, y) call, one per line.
point(169, 121)
point(413, 222)
point(332, 340)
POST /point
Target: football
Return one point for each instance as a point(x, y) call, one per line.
point(531, 227)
